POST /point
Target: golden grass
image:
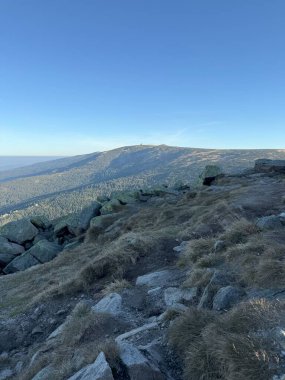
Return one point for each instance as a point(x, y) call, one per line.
point(116, 286)
point(236, 345)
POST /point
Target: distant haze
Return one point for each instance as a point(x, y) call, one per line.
point(13, 162)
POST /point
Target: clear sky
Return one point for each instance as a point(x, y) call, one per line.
point(78, 76)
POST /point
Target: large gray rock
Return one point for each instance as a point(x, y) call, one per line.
point(269, 222)
point(209, 174)
point(25, 261)
point(19, 231)
point(40, 221)
point(8, 251)
point(111, 304)
point(137, 365)
point(227, 297)
point(87, 214)
point(66, 225)
point(160, 278)
point(99, 370)
point(267, 166)
point(77, 223)
point(44, 251)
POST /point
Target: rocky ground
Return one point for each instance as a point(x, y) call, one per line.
point(161, 284)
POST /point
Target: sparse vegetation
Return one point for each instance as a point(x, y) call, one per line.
point(235, 345)
point(80, 342)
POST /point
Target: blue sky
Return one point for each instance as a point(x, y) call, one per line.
point(77, 76)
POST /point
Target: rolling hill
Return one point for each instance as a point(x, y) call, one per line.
point(65, 185)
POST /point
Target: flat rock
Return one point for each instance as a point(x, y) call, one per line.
point(137, 365)
point(19, 231)
point(99, 370)
point(110, 304)
point(161, 278)
point(44, 251)
point(25, 261)
point(227, 297)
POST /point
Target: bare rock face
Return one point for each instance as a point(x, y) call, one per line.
point(269, 166)
point(19, 231)
point(99, 370)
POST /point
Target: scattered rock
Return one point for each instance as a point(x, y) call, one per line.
point(227, 297)
point(99, 370)
point(111, 304)
point(138, 366)
point(19, 231)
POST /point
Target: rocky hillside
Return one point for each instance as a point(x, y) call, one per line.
point(165, 283)
point(68, 185)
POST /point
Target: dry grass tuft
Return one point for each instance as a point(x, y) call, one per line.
point(196, 249)
point(239, 232)
point(198, 277)
point(237, 345)
point(116, 286)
